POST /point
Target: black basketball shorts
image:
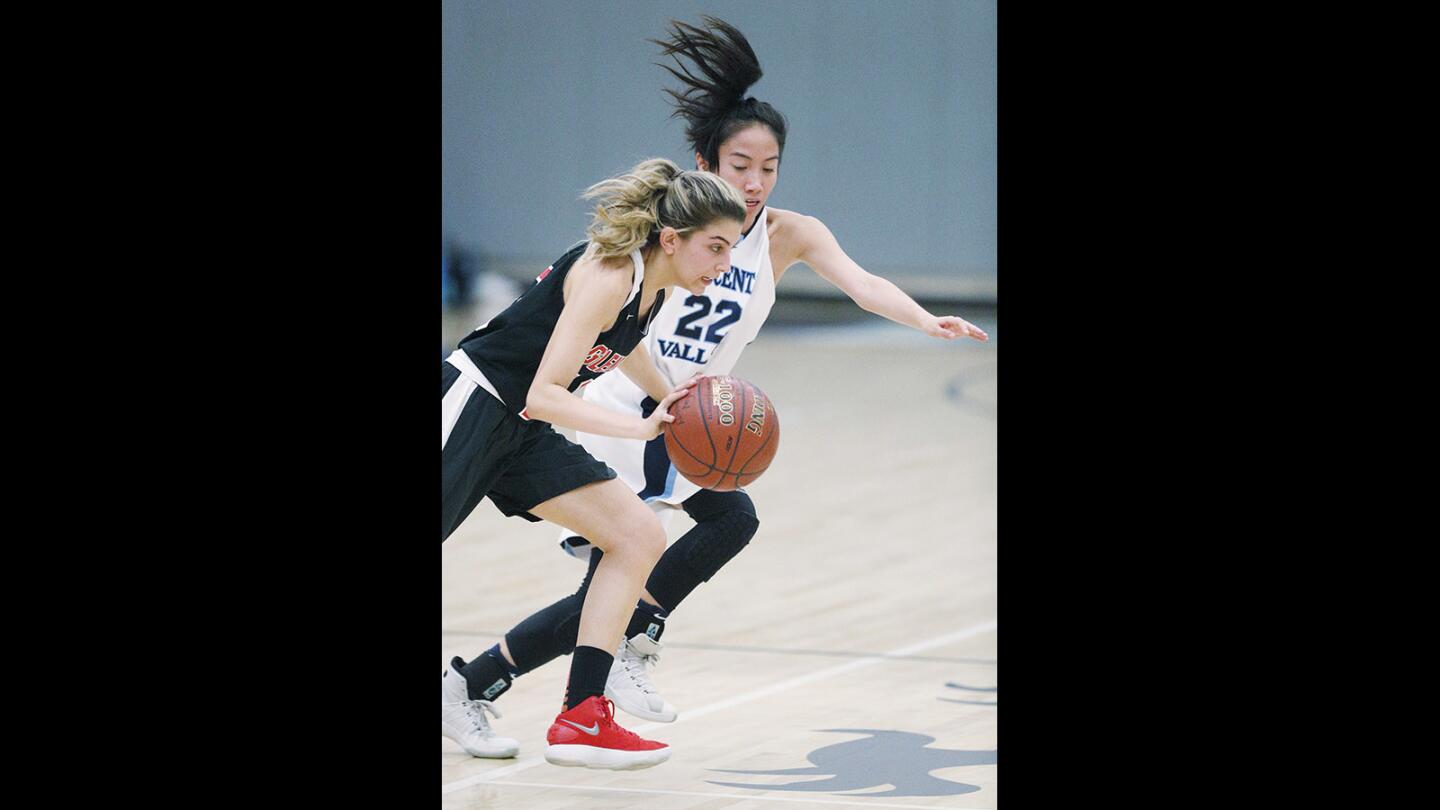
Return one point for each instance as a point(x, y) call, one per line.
point(487, 450)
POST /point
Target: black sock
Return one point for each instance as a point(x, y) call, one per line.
point(487, 677)
point(647, 620)
point(589, 669)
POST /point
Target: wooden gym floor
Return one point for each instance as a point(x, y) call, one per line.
point(847, 657)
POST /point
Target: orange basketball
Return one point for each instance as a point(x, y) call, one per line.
point(724, 435)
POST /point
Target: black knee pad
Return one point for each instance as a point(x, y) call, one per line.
point(707, 503)
point(550, 632)
point(715, 541)
point(724, 524)
point(545, 634)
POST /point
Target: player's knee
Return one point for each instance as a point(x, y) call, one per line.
point(743, 510)
point(745, 523)
point(737, 519)
point(707, 504)
point(713, 543)
point(641, 537)
point(652, 541)
point(736, 528)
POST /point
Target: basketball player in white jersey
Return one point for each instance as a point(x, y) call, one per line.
point(741, 140)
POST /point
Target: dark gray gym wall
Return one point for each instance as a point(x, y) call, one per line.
point(891, 104)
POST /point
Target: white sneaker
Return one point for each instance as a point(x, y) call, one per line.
point(629, 683)
point(463, 720)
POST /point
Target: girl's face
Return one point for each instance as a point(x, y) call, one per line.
point(749, 161)
point(703, 255)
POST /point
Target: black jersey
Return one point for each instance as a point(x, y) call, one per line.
point(508, 348)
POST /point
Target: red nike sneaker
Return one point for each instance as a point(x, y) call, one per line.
point(587, 737)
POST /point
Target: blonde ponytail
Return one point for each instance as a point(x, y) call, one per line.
point(657, 194)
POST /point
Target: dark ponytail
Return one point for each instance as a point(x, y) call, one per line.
point(722, 67)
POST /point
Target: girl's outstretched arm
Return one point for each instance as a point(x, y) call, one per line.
point(818, 248)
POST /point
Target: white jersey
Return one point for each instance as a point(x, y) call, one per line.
point(706, 333)
point(691, 334)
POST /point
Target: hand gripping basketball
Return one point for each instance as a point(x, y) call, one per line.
point(724, 435)
point(660, 417)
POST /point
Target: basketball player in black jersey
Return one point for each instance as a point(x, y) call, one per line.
point(739, 139)
point(511, 380)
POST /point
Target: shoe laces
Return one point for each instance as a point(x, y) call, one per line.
point(636, 666)
point(607, 706)
point(475, 710)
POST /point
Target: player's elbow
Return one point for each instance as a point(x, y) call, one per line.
point(539, 402)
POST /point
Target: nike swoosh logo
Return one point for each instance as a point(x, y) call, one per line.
point(592, 731)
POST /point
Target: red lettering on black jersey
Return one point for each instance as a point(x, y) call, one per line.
point(601, 359)
point(542, 276)
point(595, 356)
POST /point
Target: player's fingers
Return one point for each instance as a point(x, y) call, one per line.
point(963, 328)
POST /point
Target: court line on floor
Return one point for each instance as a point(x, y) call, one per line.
point(742, 796)
point(744, 697)
point(683, 645)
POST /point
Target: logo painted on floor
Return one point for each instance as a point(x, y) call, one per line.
point(897, 758)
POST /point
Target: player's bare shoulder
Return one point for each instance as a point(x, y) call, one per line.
point(599, 287)
point(608, 279)
point(791, 233)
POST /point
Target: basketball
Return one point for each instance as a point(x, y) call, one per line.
point(724, 435)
